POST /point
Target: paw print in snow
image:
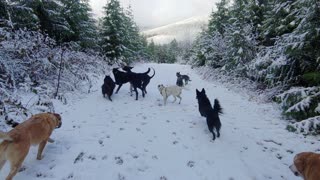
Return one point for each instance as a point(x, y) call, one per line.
point(121, 177)
point(163, 178)
point(92, 157)
point(101, 142)
point(104, 157)
point(119, 160)
point(190, 164)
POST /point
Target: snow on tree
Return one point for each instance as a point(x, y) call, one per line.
point(30, 64)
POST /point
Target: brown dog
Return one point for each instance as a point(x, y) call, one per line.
point(306, 165)
point(16, 143)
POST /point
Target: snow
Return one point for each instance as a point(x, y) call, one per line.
point(137, 140)
point(184, 31)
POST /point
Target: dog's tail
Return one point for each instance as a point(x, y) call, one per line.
point(216, 107)
point(147, 71)
point(5, 136)
point(154, 73)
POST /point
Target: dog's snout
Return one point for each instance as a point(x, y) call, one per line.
point(59, 124)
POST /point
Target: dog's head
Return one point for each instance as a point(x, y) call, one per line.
point(57, 120)
point(115, 70)
point(201, 94)
point(107, 79)
point(127, 68)
point(299, 163)
point(160, 87)
point(178, 74)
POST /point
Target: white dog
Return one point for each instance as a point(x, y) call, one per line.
point(175, 91)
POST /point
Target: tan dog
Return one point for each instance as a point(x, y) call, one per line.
point(306, 165)
point(16, 143)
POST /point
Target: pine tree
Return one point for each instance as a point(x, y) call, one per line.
point(239, 36)
point(4, 18)
point(22, 14)
point(113, 32)
point(219, 19)
point(133, 40)
point(277, 20)
point(52, 21)
point(78, 15)
point(302, 46)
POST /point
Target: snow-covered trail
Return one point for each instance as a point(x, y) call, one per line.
point(144, 140)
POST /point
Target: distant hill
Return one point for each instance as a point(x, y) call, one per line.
point(185, 30)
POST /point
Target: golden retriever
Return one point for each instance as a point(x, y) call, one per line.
point(16, 143)
point(306, 165)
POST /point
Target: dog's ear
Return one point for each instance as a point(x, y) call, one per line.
point(197, 91)
point(57, 116)
point(300, 161)
point(203, 91)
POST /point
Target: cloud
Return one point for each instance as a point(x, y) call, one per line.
point(152, 13)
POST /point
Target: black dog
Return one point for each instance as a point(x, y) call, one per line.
point(212, 114)
point(120, 78)
point(108, 87)
point(135, 80)
point(186, 78)
point(204, 103)
point(179, 82)
point(144, 77)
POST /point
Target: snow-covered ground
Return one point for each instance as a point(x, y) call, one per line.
point(183, 31)
point(144, 140)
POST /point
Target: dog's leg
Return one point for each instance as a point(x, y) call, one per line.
point(218, 131)
point(15, 163)
point(131, 89)
point(135, 89)
point(40, 149)
point(142, 91)
point(165, 100)
point(110, 98)
point(13, 171)
point(179, 98)
point(211, 130)
point(119, 86)
point(214, 135)
point(174, 99)
point(2, 162)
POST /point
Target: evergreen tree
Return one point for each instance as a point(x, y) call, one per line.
point(113, 32)
point(4, 18)
point(79, 17)
point(52, 21)
point(23, 15)
point(239, 36)
point(219, 19)
point(133, 40)
point(277, 20)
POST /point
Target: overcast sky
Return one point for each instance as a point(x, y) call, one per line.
point(160, 12)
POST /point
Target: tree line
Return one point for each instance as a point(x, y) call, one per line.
point(115, 35)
